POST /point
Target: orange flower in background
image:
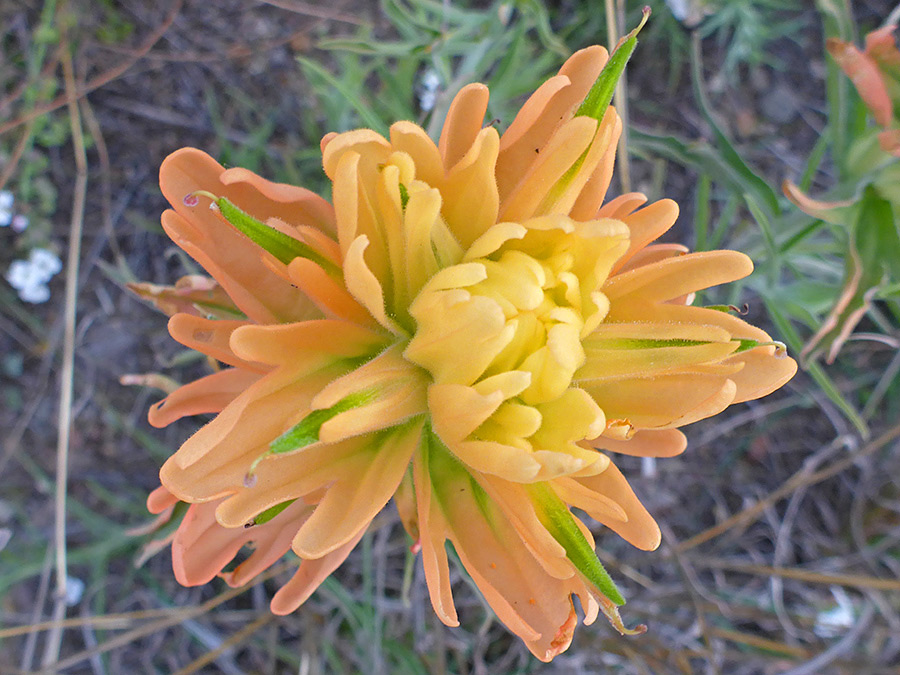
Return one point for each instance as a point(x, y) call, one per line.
point(467, 329)
point(875, 72)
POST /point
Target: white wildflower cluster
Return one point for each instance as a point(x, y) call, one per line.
point(428, 90)
point(8, 217)
point(30, 277)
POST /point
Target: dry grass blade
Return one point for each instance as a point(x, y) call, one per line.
point(235, 639)
point(760, 642)
point(692, 586)
point(105, 621)
point(51, 651)
point(316, 10)
point(799, 479)
point(16, 155)
point(845, 644)
point(99, 80)
point(849, 580)
point(151, 628)
point(615, 23)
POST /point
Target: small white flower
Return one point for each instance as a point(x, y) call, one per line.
point(427, 99)
point(5, 217)
point(836, 620)
point(431, 80)
point(428, 87)
point(20, 223)
point(7, 199)
point(21, 274)
point(74, 590)
point(45, 262)
point(35, 294)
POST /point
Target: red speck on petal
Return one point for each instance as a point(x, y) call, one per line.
point(415, 548)
point(191, 200)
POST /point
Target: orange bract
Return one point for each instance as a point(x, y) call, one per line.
point(875, 72)
point(492, 328)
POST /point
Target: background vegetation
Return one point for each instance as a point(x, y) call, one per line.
point(781, 522)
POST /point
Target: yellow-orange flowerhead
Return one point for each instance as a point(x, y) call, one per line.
point(468, 329)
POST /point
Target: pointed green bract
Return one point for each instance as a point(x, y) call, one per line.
point(560, 523)
point(285, 248)
point(599, 97)
point(271, 512)
point(306, 432)
point(645, 343)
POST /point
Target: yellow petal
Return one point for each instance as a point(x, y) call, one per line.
point(639, 529)
point(328, 295)
point(677, 276)
point(360, 491)
point(647, 225)
point(563, 150)
point(433, 533)
point(208, 394)
point(463, 123)
point(622, 206)
point(399, 393)
point(596, 183)
point(236, 263)
point(313, 343)
point(593, 503)
point(211, 337)
point(309, 577)
point(457, 410)
point(458, 335)
point(623, 350)
point(364, 285)
point(412, 139)
point(470, 193)
point(663, 401)
point(362, 142)
point(646, 443)
point(353, 193)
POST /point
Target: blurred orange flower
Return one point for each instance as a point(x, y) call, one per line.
point(875, 72)
point(468, 329)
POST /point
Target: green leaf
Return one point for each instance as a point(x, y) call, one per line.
point(271, 512)
point(285, 248)
point(706, 160)
point(815, 370)
point(306, 432)
point(368, 118)
point(600, 95)
point(560, 523)
point(644, 343)
point(729, 156)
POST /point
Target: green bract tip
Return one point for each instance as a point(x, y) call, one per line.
point(553, 514)
point(598, 98)
point(284, 247)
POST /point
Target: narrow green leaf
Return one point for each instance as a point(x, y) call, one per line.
point(306, 432)
point(560, 523)
point(701, 221)
point(368, 118)
point(643, 343)
point(271, 512)
point(598, 98)
point(815, 370)
point(280, 245)
point(751, 182)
